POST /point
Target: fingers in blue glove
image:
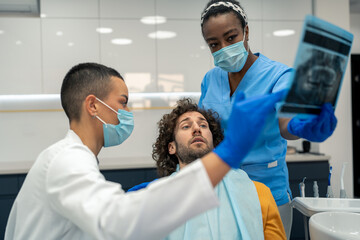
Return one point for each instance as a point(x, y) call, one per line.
point(330, 109)
point(327, 119)
point(316, 129)
point(260, 105)
point(276, 97)
point(245, 124)
point(239, 96)
point(254, 108)
point(271, 99)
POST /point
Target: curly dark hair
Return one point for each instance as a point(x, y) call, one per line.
point(166, 163)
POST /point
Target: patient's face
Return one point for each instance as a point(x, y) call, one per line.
point(193, 138)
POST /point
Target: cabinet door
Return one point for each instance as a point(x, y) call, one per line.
point(8, 192)
point(313, 171)
point(355, 89)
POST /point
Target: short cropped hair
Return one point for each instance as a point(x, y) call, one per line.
point(82, 80)
point(165, 162)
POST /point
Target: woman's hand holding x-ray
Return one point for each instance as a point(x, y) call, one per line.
point(316, 129)
point(246, 121)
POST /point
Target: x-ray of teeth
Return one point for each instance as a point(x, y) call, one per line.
point(317, 78)
point(320, 66)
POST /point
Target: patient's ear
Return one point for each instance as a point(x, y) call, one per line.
point(172, 148)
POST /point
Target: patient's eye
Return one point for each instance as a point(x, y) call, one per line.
point(185, 127)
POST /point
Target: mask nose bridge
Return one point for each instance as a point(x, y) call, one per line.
point(223, 44)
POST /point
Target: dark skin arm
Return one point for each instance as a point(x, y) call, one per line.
point(283, 123)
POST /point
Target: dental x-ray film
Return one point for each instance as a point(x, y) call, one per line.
point(320, 66)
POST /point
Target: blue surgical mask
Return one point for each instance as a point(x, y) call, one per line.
point(116, 134)
point(231, 58)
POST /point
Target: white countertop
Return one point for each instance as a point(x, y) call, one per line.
point(304, 157)
point(19, 167)
point(309, 206)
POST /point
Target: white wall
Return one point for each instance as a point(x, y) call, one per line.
point(37, 52)
point(355, 29)
point(339, 146)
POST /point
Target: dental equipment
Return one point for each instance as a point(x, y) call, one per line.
point(329, 193)
point(316, 190)
point(342, 188)
point(302, 188)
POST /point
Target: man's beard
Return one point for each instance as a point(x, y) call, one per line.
point(187, 155)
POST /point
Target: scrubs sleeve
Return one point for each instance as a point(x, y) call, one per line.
point(273, 227)
point(78, 191)
point(284, 81)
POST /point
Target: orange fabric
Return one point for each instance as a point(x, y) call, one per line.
point(273, 227)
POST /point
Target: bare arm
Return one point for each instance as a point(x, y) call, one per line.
point(283, 123)
point(215, 167)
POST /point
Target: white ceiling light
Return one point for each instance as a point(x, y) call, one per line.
point(121, 41)
point(59, 33)
point(43, 15)
point(18, 42)
point(153, 20)
point(1, 31)
point(104, 30)
point(284, 33)
point(162, 35)
point(70, 44)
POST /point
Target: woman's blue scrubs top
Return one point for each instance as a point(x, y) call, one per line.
point(266, 161)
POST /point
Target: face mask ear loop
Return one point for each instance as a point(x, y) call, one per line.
point(101, 120)
point(107, 105)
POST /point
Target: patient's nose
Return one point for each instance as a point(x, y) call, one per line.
point(196, 128)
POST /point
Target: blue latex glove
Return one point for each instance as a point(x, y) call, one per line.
point(139, 186)
point(316, 129)
point(245, 124)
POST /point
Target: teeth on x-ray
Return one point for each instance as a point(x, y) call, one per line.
point(320, 66)
point(317, 78)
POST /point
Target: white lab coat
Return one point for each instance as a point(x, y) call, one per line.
point(65, 196)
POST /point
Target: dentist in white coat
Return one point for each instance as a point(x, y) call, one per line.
point(64, 195)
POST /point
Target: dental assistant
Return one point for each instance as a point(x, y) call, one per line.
point(65, 196)
point(224, 26)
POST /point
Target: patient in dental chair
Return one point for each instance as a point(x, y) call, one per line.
point(247, 208)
